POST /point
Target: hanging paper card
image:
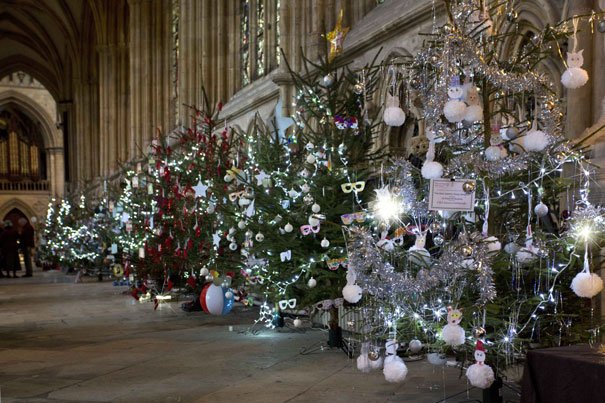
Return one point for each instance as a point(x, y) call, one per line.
point(114, 248)
point(450, 195)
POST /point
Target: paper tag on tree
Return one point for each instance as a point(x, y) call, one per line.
point(452, 195)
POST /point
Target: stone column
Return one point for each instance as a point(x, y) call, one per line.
point(56, 167)
point(579, 101)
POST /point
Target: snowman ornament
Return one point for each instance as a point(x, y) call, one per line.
point(351, 292)
point(452, 333)
point(394, 369)
point(480, 375)
point(454, 109)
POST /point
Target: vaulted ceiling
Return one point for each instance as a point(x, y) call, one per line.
point(53, 40)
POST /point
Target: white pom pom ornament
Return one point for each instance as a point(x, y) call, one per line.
point(575, 76)
point(432, 170)
point(452, 333)
point(393, 115)
point(311, 283)
point(418, 254)
point(494, 153)
point(351, 292)
point(586, 285)
point(480, 375)
point(363, 362)
point(535, 140)
point(394, 369)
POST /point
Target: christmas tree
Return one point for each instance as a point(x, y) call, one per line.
point(491, 176)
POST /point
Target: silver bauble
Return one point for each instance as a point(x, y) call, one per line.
point(601, 26)
point(327, 80)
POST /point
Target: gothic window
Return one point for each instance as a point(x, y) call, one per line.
point(21, 143)
point(259, 32)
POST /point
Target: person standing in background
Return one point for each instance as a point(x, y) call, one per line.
point(27, 243)
point(9, 245)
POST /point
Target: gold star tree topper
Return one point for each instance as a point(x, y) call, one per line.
point(336, 37)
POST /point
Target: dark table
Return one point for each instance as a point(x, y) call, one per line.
point(564, 374)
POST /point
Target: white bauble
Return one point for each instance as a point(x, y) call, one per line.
point(305, 188)
point(228, 295)
point(535, 141)
point(297, 322)
point(474, 113)
point(452, 334)
point(587, 285)
point(493, 153)
point(415, 346)
point(325, 243)
point(393, 116)
point(541, 209)
point(241, 224)
point(352, 293)
point(454, 110)
point(419, 256)
point(309, 146)
point(394, 369)
point(288, 227)
point(311, 283)
point(316, 208)
point(480, 375)
point(493, 244)
point(259, 237)
point(311, 159)
point(511, 248)
point(526, 255)
point(432, 170)
point(243, 201)
point(313, 221)
point(574, 77)
point(211, 208)
point(292, 193)
point(204, 272)
point(233, 246)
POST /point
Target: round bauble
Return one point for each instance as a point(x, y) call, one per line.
point(352, 293)
point(214, 301)
point(438, 240)
point(211, 208)
point(511, 248)
point(467, 250)
point(243, 201)
point(249, 234)
point(259, 237)
point(478, 332)
point(297, 322)
point(311, 159)
point(204, 272)
point(601, 26)
point(305, 188)
point(288, 227)
point(313, 221)
point(228, 295)
point(358, 88)
point(393, 116)
point(308, 199)
point(541, 209)
point(311, 283)
point(432, 170)
point(233, 246)
point(469, 186)
point(419, 256)
point(327, 80)
point(586, 285)
point(493, 153)
point(316, 208)
point(209, 278)
point(415, 346)
point(305, 173)
point(325, 243)
point(436, 358)
point(535, 141)
point(373, 355)
point(309, 146)
point(292, 193)
point(454, 111)
point(493, 244)
point(435, 227)
point(241, 224)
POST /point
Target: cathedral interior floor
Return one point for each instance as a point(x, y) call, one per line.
point(62, 341)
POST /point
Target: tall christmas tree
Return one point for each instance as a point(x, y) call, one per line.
point(491, 176)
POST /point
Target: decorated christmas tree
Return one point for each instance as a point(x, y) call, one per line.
point(491, 176)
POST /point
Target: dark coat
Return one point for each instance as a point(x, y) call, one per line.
point(9, 248)
point(27, 236)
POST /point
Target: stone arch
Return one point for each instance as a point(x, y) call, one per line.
point(18, 204)
point(36, 70)
point(30, 107)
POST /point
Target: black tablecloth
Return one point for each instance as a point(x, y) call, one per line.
point(564, 374)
